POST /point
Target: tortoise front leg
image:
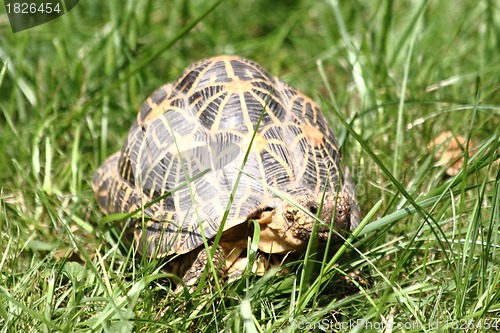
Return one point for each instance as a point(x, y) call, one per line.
point(192, 276)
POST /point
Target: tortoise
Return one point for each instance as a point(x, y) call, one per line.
point(224, 144)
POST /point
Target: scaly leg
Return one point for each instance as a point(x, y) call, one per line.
point(192, 277)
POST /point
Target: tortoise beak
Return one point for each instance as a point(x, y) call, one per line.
point(336, 236)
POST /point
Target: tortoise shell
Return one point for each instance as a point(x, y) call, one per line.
point(225, 142)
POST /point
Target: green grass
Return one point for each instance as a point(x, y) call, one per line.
point(390, 76)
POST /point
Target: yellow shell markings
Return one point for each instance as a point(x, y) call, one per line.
point(151, 109)
point(205, 121)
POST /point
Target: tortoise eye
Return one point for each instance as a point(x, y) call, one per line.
point(313, 209)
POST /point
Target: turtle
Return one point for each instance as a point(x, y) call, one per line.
point(224, 145)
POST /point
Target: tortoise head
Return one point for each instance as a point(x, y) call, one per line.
point(291, 224)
